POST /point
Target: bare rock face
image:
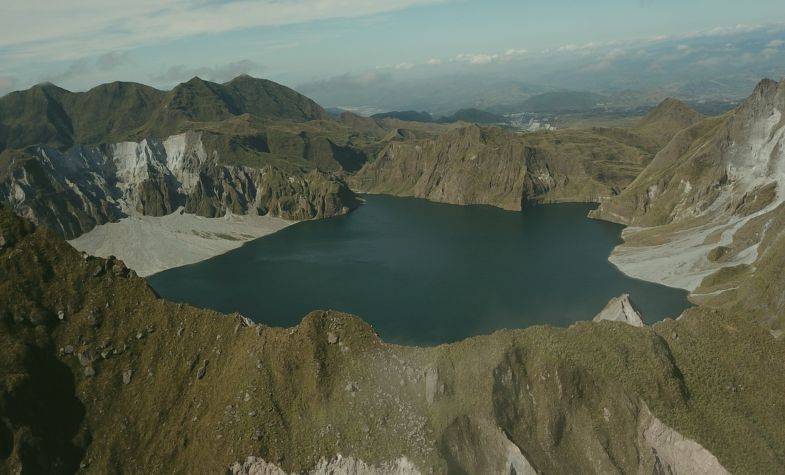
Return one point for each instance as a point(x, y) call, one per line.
point(621, 309)
point(478, 165)
point(337, 466)
point(674, 453)
point(431, 384)
point(74, 190)
point(480, 446)
point(463, 166)
point(710, 205)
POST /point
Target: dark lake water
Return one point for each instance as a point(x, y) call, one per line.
point(425, 273)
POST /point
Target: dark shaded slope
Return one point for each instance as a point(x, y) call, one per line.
point(35, 116)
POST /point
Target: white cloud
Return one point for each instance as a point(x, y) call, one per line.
point(112, 60)
point(7, 84)
point(583, 49)
point(219, 73)
point(772, 48)
point(615, 54)
point(398, 66)
point(48, 29)
point(348, 81)
point(607, 61)
point(74, 70)
point(682, 47)
point(484, 58)
point(712, 61)
point(434, 61)
point(728, 30)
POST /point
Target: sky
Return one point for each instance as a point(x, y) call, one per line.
point(79, 44)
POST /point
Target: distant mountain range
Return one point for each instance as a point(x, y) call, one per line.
point(718, 66)
point(561, 101)
point(464, 115)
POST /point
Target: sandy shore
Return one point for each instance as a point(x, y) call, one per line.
point(149, 245)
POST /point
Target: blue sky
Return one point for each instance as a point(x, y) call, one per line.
point(78, 44)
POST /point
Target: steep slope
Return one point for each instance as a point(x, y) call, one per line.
point(666, 120)
point(708, 207)
point(110, 112)
point(135, 383)
point(72, 191)
point(475, 165)
point(263, 98)
point(72, 161)
point(35, 116)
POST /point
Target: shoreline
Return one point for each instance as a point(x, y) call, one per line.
point(150, 245)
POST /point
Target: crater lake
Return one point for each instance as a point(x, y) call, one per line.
point(424, 273)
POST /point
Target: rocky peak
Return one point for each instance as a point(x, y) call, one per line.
point(621, 309)
point(767, 88)
point(767, 100)
point(668, 118)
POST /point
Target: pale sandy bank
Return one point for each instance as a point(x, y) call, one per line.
point(148, 244)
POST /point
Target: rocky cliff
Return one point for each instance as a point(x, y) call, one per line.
point(707, 212)
point(71, 191)
point(477, 165)
point(100, 375)
point(72, 161)
point(621, 309)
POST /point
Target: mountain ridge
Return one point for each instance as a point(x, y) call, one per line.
point(120, 111)
point(712, 202)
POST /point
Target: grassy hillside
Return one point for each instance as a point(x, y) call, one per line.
point(48, 115)
point(135, 383)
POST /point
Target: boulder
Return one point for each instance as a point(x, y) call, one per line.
point(203, 370)
point(431, 384)
point(621, 309)
point(84, 358)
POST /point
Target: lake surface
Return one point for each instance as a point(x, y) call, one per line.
point(425, 273)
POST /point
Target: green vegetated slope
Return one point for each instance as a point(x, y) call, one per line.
point(269, 120)
point(114, 112)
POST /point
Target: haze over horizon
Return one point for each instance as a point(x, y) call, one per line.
point(361, 54)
